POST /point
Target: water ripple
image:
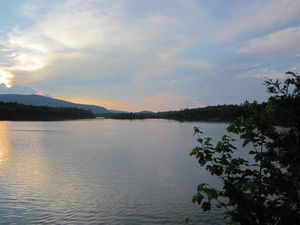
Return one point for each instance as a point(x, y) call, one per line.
point(93, 172)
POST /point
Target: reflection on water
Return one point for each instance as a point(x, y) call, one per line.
point(4, 146)
point(100, 172)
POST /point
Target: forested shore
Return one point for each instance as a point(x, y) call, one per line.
point(220, 113)
point(17, 111)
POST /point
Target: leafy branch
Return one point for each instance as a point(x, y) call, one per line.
point(269, 181)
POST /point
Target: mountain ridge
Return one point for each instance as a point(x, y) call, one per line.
point(40, 100)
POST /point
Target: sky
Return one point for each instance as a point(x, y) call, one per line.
point(156, 55)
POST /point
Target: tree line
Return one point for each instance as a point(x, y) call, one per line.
point(219, 113)
point(18, 111)
point(210, 113)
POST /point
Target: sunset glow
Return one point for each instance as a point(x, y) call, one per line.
point(5, 78)
point(133, 54)
point(4, 144)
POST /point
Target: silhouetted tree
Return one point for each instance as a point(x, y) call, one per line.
point(264, 189)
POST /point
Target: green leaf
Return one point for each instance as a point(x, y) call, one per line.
point(269, 181)
point(197, 198)
point(206, 206)
point(197, 131)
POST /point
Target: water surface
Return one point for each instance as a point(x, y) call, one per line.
point(101, 172)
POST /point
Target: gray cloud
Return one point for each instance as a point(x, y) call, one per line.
point(283, 42)
point(122, 53)
point(18, 89)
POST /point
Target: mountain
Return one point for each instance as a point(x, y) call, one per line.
point(142, 112)
point(118, 111)
point(39, 100)
point(145, 112)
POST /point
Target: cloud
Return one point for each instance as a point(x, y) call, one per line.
point(283, 42)
point(295, 67)
point(100, 33)
point(19, 89)
point(174, 101)
point(163, 53)
point(257, 18)
point(262, 73)
point(159, 99)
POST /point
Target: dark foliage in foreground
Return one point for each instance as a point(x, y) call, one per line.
point(17, 111)
point(264, 189)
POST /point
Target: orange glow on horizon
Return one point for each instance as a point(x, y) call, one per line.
point(159, 99)
point(146, 105)
point(91, 100)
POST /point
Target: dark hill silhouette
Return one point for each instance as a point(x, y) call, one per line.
point(39, 100)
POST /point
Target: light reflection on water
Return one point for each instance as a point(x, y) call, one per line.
point(101, 172)
point(4, 147)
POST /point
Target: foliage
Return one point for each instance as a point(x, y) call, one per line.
point(17, 111)
point(264, 188)
point(128, 116)
point(209, 113)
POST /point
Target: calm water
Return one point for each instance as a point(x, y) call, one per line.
point(101, 172)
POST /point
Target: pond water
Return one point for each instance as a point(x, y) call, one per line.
point(102, 172)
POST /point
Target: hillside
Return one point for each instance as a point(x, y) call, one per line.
point(39, 100)
point(19, 111)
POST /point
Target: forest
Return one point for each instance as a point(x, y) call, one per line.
point(17, 111)
point(219, 113)
point(224, 113)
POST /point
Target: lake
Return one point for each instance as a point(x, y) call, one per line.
point(102, 171)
